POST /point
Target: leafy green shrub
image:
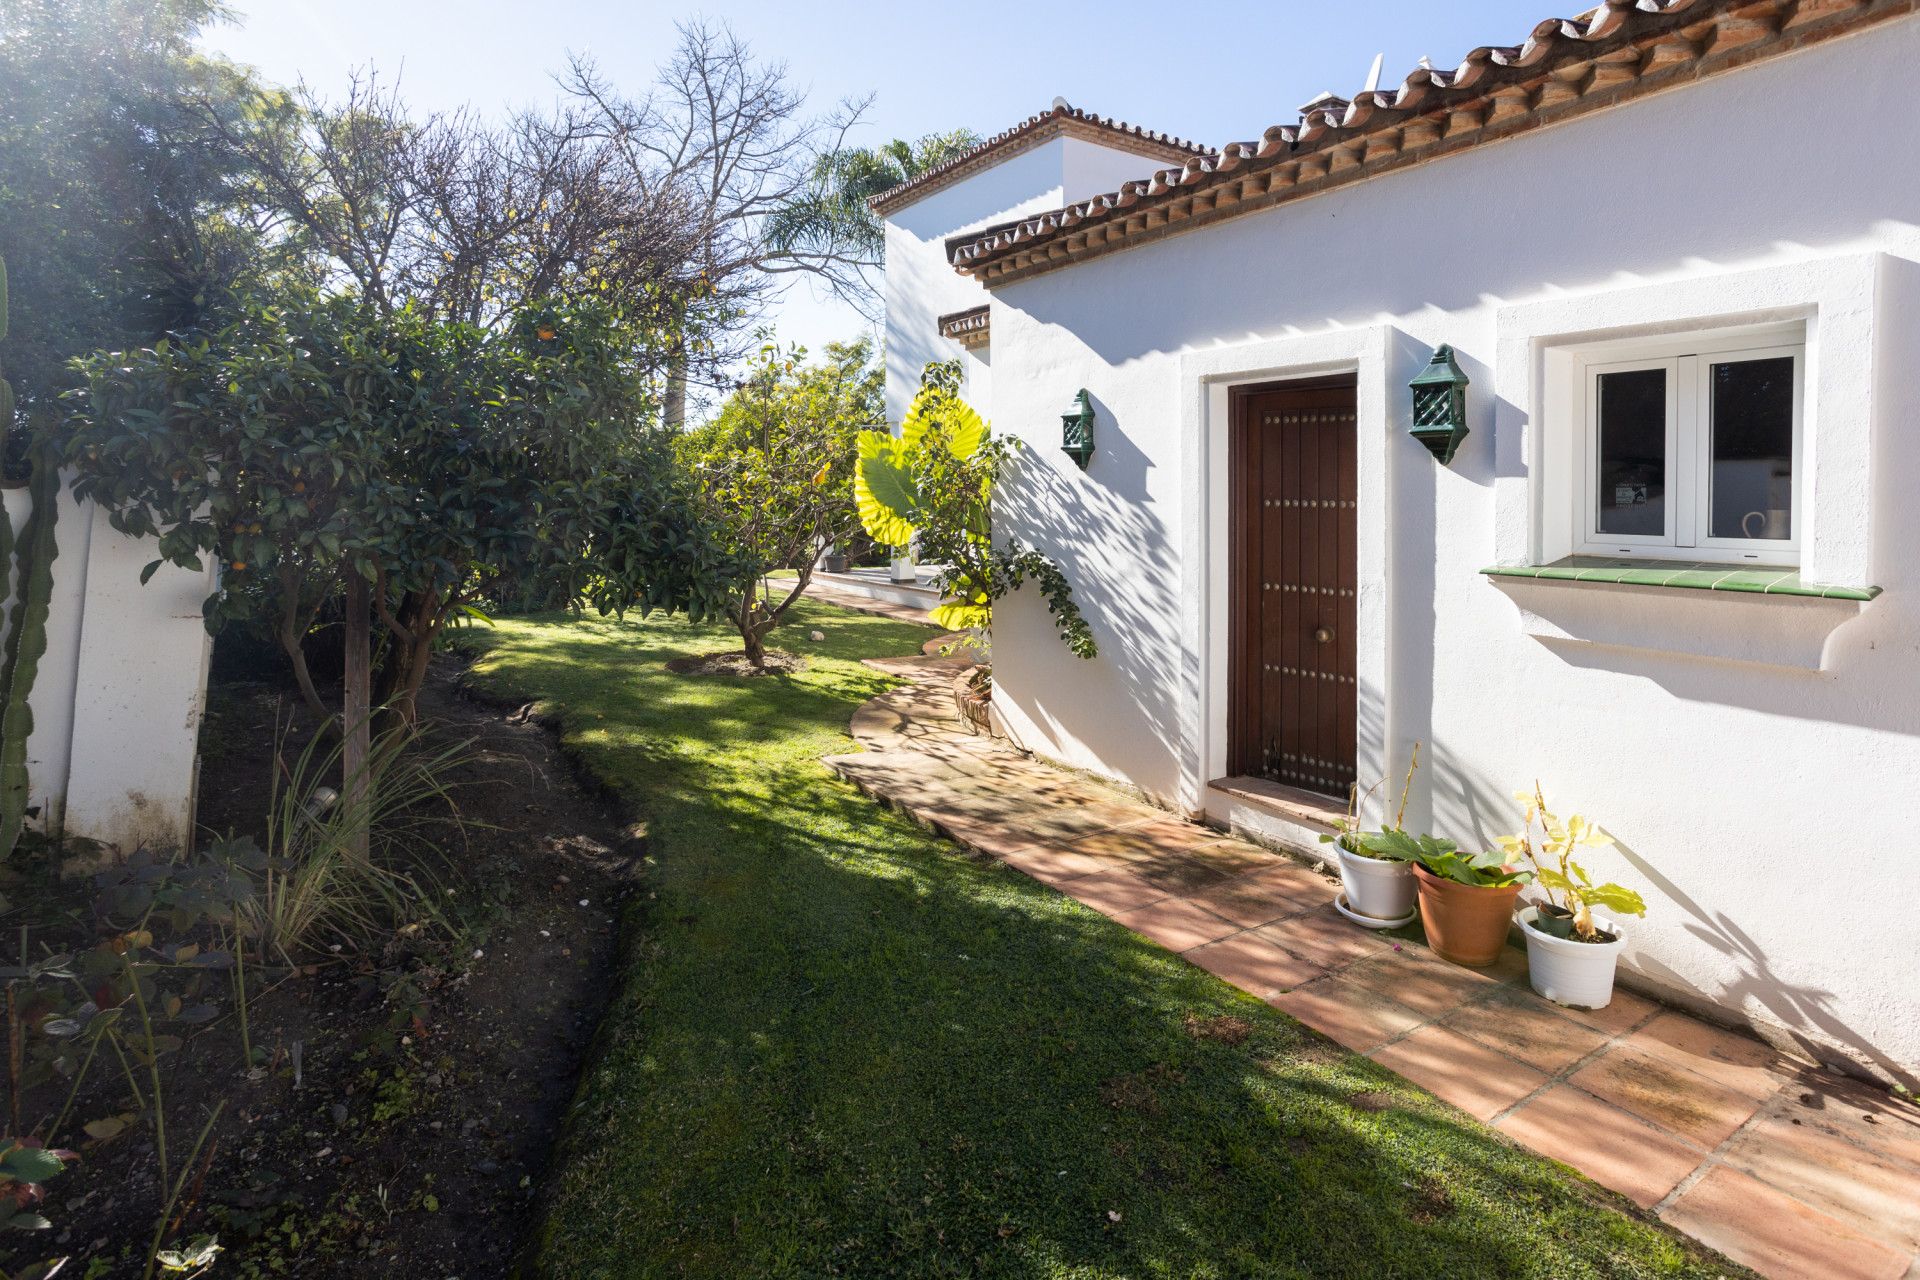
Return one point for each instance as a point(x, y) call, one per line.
point(317, 442)
point(931, 487)
point(772, 471)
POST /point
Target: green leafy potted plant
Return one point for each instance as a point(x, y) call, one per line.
point(1376, 877)
point(1572, 953)
point(1466, 899)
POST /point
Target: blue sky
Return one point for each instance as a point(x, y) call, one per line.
point(1213, 72)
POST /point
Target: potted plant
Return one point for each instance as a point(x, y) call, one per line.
point(1571, 951)
point(1376, 878)
point(1466, 899)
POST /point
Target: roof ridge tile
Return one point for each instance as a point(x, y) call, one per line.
point(951, 170)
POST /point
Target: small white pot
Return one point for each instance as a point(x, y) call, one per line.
point(1568, 972)
point(1376, 887)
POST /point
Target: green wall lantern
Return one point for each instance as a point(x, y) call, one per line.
point(1076, 437)
point(1440, 405)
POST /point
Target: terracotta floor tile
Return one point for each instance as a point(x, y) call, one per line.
point(1187, 876)
point(1454, 1069)
point(1880, 1198)
point(1666, 1094)
point(1521, 1025)
point(1624, 1012)
point(1054, 863)
point(990, 838)
point(1776, 1235)
point(1613, 1148)
point(1237, 857)
point(1847, 1108)
point(1262, 896)
point(1737, 1061)
point(1511, 968)
point(1113, 892)
point(898, 772)
point(1177, 925)
point(1050, 820)
point(1325, 938)
point(1254, 964)
point(1420, 980)
point(1357, 1018)
point(1150, 839)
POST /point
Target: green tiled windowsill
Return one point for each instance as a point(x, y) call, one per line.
point(1688, 575)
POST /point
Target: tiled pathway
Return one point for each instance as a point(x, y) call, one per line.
point(1786, 1168)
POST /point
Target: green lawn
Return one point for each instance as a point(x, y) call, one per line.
point(838, 1047)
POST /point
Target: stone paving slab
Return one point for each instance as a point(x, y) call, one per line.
point(1782, 1166)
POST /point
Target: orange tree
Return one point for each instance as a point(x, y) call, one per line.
point(772, 470)
point(400, 468)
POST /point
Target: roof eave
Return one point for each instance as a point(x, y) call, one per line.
point(1617, 51)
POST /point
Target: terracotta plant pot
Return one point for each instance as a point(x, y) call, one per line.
point(1465, 923)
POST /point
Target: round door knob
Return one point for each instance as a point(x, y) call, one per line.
point(1322, 634)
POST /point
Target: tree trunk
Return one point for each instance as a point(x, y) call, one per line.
point(751, 633)
point(355, 786)
point(411, 628)
point(673, 414)
point(291, 633)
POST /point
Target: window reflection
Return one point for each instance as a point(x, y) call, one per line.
point(1752, 448)
point(1633, 452)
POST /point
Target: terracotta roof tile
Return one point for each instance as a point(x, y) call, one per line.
point(1059, 120)
point(1565, 66)
point(970, 328)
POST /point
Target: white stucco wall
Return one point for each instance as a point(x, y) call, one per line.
point(921, 287)
point(1759, 762)
point(140, 696)
point(121, 690)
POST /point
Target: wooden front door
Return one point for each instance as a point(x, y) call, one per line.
point(1294, 570)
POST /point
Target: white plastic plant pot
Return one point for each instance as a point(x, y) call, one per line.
point(1378, 888)
point(1573, 973)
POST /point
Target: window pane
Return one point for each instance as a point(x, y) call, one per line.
point(1633, 452)
point(1752, 461)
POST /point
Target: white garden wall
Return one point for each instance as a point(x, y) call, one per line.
point(121, 690)
point(1759, 761)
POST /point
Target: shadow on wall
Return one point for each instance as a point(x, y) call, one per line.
point(1805, 1013)
point(1109, 536)
point(1760, 996)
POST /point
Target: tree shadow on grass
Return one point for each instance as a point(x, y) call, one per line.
point(841, 1046)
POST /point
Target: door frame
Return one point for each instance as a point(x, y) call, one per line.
point(1243, 639)
point(1374, 356)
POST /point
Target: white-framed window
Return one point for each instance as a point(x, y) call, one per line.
point(1690, 447)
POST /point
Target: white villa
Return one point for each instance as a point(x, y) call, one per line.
point(1672, 251)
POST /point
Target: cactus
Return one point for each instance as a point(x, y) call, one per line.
point(26, 642)
point(26, 635)
point(6, 388)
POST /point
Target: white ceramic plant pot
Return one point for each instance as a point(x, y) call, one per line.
point(1568, 972)
point(1376, 887)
